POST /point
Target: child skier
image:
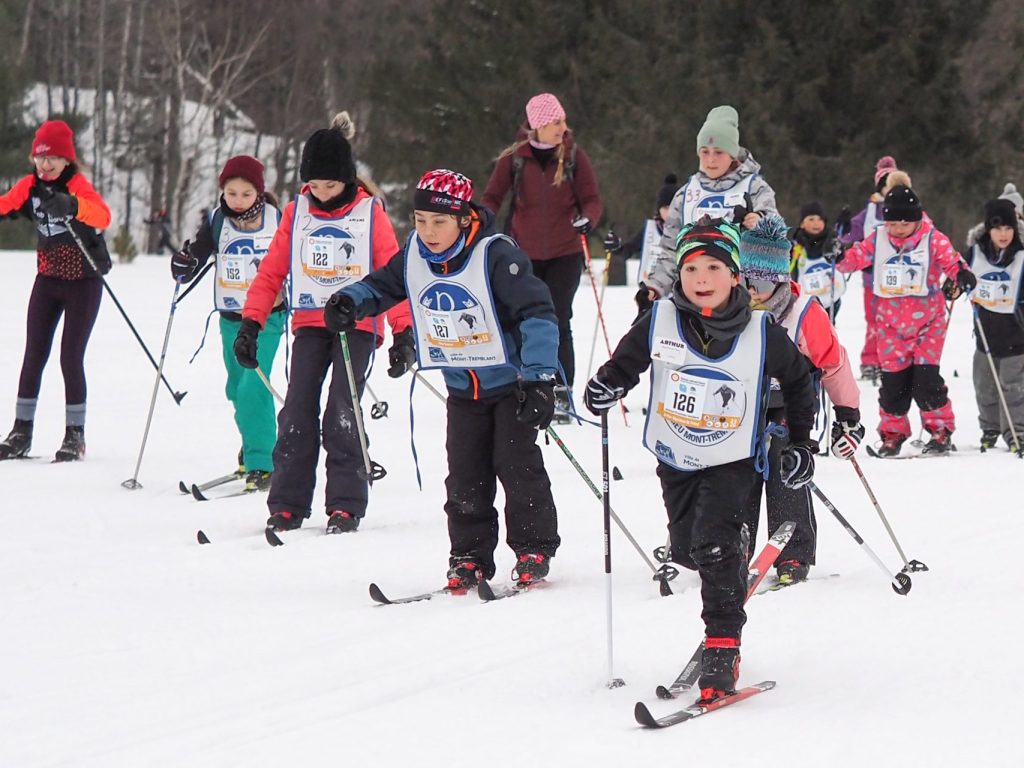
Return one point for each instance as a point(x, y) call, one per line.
point(727, 185)
point(499, 354)
point(238, 234)
point(67, 211)
point(861, 226)
point(909, 256)
point(647, 242)
point(997, 260)
point(703, 340)
point(812, 259)
point(764, 262)
point(332, 234)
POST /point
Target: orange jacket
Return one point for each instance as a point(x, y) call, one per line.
point(92, 210)
point(274, 269)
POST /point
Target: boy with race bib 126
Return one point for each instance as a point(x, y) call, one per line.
point(712, 360)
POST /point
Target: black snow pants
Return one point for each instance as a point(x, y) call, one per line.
point(486, 443)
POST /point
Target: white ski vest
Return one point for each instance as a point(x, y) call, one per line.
point(701, 412)
point(718, 204)
point(328, 254)
point(818, 278)
point(998, 287)
point(650, 251)
point(238, 257)
point(454, 318)
point(901, 273)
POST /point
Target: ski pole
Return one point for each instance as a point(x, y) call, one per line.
point(900, 582)
point(268, 385)
point(380, 407)
point(371, 469)
point(662, 575)
point(613, 682)
point(106, 286)
point(909, 566)
point(998, 383)
point(600, 303)
point(600, 314)
point(133, 482)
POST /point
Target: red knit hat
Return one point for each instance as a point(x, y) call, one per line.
point(54, 137)
point(243, 167)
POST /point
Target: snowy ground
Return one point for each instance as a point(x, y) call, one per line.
point(125, 643)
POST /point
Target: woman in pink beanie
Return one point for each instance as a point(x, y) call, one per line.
point(554, 200)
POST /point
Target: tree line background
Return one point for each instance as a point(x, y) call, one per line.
point(822, 89)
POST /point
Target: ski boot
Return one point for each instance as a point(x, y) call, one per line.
point(940, 443)
point(285, 521)
point(73, 447)
point(891, 444)
point(463, 575)
point(719, 668)
point(17, 444)
point(257, 480)
point(530, 568)
point(792, 572)
point(341, 522)
point(989, 438)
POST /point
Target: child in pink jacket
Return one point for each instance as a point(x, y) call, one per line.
point(909, 257)
point(764, 266)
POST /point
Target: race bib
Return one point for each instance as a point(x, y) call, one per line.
point(234, 272)
point(700, 403)
point(322, 252)
point(817, 283)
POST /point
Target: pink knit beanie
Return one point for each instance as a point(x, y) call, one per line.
point(884, 167)
point(543, 109)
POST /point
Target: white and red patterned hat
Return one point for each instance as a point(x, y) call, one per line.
point(544, 109)
point(443, 191)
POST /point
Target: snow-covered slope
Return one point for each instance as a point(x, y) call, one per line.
point(125, 643)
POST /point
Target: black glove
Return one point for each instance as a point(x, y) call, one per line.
point(643, 300)
point(581, 224)
point(950, 289)
point(612, 242)
point(536, 403)
point(12, 214)
point(844, 220)
point(59, 205)
point(797, 465)
point(340, 313)
point(184, 265)
point(739, 212)
point(965, 280)
point(402, 353)
point(846, 436)
point(246, 343)
point(600, 395)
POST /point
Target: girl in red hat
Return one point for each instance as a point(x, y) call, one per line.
point(69, 216)
point(238, 234)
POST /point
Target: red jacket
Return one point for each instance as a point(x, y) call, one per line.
point(819, 343)
point(274, 268)
point(543, 215)
point(58, 254)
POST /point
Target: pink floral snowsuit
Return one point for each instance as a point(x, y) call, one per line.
point(911, 332)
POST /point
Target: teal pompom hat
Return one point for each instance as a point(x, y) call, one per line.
point(764, 250)
point(721, 130)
